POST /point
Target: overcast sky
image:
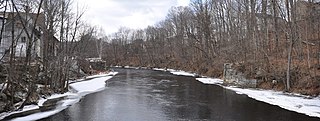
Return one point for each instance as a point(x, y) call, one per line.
point(112, 14)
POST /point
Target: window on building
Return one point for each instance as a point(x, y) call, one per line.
point(23, 39)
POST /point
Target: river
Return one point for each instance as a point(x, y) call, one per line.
point(146, 95)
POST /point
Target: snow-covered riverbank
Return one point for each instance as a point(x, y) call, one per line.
point(293, 102)
point(80, 88)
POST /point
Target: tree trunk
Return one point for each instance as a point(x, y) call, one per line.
point(289, 65)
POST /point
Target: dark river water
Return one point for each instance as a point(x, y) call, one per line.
point(146, 95)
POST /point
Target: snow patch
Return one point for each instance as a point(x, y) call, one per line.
point(42, 100)
point(103, 74)
point(40, 115)
point(82, 88)
point(131, 67)
point(210, 80)
point(29, 107)
point(181, 73)
point(300, 104)
point(93, 85)
point(159, 69)
point(176, 72)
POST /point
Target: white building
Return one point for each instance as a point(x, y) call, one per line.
point(20, 28)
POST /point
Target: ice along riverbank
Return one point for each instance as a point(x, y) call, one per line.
point(290, 101)
point(78, 89)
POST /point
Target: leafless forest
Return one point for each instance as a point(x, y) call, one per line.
point(267, 40)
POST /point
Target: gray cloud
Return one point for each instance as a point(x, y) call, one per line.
point(112, 14)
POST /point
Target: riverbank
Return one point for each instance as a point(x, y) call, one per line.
point(307, 105)
point(55, 103)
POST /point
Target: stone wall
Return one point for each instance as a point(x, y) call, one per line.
point(232, 76)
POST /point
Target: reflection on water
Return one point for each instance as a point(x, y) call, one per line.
point(145, 95)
